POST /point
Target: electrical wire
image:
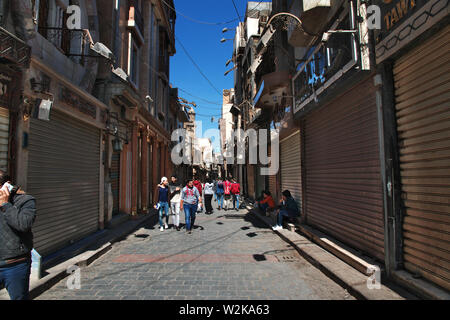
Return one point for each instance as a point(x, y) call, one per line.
point(237, 12)
point(206, 22)
point(196, 65)
point(204, 100)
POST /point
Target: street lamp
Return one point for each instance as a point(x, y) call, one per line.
point(230, 70)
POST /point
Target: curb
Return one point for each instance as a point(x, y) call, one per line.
point(343, 274)
point(59, 272)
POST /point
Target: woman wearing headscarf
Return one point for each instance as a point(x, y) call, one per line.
point(162, 196)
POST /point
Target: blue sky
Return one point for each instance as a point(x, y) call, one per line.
point(202, 42)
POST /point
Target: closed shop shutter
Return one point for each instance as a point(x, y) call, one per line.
point(272, 180)
point(290, 166)
point(115, 180)
point(342, 170)
point(251, 180)
point(422, 90)
point(4, 134)
point(63, 176)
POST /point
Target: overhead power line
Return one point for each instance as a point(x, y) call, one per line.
point(237, 12)
point(198, 21)
point(196, 65)
point(206, 22)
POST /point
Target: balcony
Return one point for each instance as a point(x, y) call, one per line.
point(273, 85)
point(14, 49)
point(135, 20)
point(313, 14)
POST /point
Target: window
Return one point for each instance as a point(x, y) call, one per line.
point(133, 60)
point(51, 17)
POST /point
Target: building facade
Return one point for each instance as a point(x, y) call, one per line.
point(359, 110)
point(85, 110)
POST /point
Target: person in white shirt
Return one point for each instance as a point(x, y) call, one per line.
point(175, 190)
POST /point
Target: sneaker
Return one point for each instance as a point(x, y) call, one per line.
point(166, 226)
point(161, 229)
point(189, 232)
point(178, 228)
point(277, 227)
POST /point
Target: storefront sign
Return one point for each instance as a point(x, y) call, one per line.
point(72, 99)
point(394, 12)
point(404, 20)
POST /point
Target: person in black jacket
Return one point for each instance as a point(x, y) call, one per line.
point(17, 214)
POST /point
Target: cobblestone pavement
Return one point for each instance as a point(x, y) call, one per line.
point(229, 255)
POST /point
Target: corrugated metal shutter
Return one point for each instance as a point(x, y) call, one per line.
point(4, 134)
point(422, 89)
point(115, 180)
point(63, 175)
point(251, 180)
point(290, 166)
point(342, 169)
point(272, 180)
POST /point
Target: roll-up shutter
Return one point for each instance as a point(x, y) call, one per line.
point(290, 165)
point(422, 90)
point(115, 180)
point(4, 138)
point(342, 168)
point(272, 179)
point(251, 180)
point(63, 176)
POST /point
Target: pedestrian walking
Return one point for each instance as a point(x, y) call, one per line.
point(162, 195)
point(266, 203)
point(215, 190)
point(190, 199)
point(209, 192)
point(199, 187)
point(17, 215)
point(288, 208)
point(227, 194)
point(235, 190)
point(175, 191)
point(219, 193)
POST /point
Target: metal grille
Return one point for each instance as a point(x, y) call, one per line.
point(63, 176)
point(115, 180)
point(343, 180)
point(422, 90)
point(291, 166)
point(4, 134)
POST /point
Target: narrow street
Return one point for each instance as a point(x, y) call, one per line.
point(229, 255)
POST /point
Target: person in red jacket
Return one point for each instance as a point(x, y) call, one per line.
point(199, 187)
point(235, 193)
point(267, 202)
point(227, 194)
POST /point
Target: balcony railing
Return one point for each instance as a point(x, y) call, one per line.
point(72, 43)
